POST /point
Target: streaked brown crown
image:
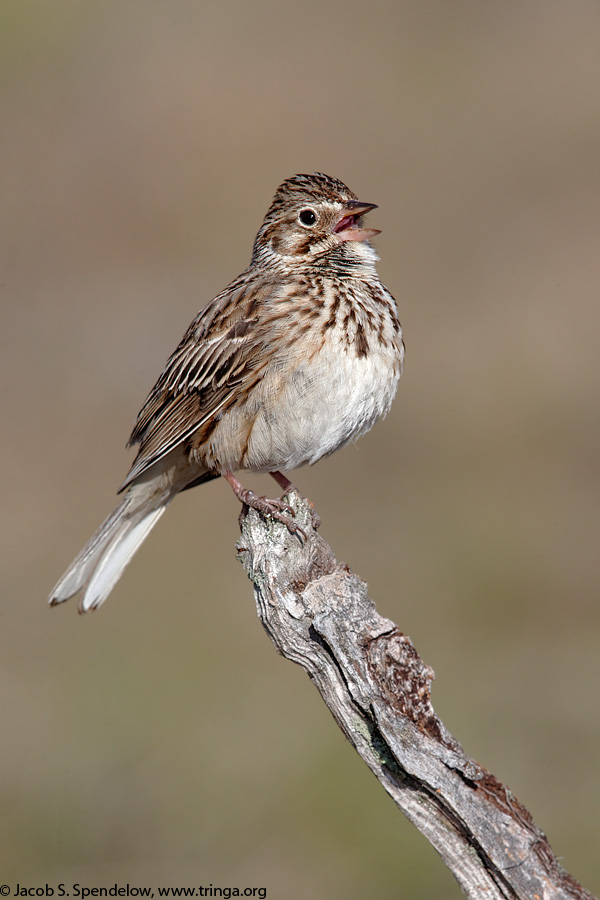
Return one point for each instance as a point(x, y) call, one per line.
point(316, 187)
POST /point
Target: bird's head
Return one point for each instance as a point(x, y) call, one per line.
point(315, 219)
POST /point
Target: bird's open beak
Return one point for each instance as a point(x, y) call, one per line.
point(349, 228)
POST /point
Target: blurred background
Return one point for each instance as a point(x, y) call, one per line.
point(161, 741)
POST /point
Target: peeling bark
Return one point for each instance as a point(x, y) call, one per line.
point(319, 615)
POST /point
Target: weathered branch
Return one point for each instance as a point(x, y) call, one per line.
point(319, 615)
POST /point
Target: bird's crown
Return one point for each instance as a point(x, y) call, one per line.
point(317, 187)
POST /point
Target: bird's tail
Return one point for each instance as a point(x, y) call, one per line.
point(96, 570)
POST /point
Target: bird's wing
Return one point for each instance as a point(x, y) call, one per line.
point(223, 350)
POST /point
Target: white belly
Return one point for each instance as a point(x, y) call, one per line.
point(321, 407)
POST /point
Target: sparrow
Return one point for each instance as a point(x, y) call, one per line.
point(299, 355)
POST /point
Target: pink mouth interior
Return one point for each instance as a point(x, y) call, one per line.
point(346, 222)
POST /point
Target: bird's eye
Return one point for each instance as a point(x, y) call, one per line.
point(307, 217)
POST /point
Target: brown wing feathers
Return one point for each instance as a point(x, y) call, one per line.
point(217, 353)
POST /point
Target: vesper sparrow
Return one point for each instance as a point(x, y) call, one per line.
point(295, 358)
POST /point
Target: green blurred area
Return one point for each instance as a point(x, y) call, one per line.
point(161, 741)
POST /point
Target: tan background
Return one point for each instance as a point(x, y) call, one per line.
point(162, 741)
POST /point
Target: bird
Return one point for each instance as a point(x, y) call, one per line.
point(298, 356)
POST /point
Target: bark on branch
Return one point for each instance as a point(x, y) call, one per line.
point(319, 615)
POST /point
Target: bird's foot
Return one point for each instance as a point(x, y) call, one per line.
point(287, 485)
point(276, 508)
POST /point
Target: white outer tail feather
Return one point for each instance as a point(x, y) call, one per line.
point(98, 567)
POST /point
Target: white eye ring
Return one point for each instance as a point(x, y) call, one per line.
point(307, 217)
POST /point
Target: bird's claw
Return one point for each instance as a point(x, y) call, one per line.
point(276, 508)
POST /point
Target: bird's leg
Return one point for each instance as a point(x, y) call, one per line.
point(274, 508)
point(282, 481)
point(287, 485)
